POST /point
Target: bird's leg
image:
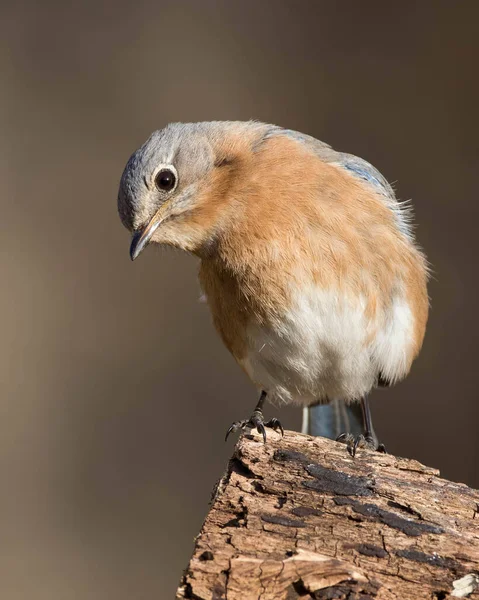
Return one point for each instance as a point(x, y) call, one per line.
point(364, 440)
point(257, 421)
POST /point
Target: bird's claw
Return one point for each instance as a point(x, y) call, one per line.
point(235, 427)
point(275, 424)
point(353, 442)
point(256, 421)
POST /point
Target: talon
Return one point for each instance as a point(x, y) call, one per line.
point(234, 427)
point(275, 424)
point(256, 422)
point(230, 429)
point(260, 428)
point(359, 441)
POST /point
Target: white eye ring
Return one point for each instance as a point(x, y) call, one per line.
point(165, 168)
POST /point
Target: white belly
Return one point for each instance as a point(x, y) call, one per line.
point(326, 347)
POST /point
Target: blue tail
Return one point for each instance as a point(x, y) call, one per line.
point(330, 420)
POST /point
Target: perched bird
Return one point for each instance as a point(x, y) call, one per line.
point(308, 262)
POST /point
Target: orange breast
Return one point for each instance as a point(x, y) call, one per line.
point(298, 222)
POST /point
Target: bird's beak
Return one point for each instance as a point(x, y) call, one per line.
point(142, 237)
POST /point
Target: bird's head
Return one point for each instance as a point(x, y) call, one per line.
point(176, 188)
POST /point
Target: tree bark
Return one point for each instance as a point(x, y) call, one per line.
point(297, 517)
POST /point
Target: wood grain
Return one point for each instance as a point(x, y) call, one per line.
point(299, 518)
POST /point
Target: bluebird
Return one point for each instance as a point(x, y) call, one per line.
point(307, 260)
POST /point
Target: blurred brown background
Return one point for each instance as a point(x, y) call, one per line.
point(116, 392)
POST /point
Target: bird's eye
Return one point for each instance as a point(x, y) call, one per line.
point(165, 180)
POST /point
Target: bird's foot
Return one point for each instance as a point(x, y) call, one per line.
point(353, 442)
point(256, 421)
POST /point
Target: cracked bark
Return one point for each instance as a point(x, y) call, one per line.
point(298, 518)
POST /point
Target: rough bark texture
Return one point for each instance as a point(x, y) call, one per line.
point(299, 518)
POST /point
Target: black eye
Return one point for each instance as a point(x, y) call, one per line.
point(165, 180)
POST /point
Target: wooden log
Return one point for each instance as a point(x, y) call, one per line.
point(297, 517)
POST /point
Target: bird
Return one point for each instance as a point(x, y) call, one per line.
point(308, 263)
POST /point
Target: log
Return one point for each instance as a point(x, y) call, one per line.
point(297, 517)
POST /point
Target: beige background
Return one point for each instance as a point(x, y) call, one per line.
point(116, 391)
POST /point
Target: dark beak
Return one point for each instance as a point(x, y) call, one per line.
point(135, 247)
point(142, 237)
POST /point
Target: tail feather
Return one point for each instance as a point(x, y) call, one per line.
point(333, 419)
